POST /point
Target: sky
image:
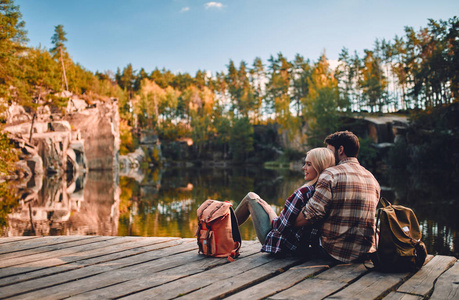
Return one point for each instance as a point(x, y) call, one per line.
point(191, 35)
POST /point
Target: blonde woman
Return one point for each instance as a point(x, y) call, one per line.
point(277, 234)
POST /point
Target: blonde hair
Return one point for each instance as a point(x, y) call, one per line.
point(321, 158)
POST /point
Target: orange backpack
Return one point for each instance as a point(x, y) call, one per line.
point(218, 232)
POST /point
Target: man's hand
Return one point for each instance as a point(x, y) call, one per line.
point(300, 220)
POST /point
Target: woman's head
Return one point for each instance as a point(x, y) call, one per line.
point(317, 160)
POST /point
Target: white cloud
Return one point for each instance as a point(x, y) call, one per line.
point(185, 9)
point(210, 5)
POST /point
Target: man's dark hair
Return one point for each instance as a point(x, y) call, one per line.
point(347, 139)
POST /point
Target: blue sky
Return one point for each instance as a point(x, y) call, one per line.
point(187, 35)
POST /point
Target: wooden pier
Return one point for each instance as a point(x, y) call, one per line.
point(101, 267)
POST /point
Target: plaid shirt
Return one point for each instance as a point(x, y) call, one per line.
point(284, 237)
point(345, 201)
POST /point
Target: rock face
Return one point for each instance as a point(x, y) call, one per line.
point(86, 137)
point(52, 149)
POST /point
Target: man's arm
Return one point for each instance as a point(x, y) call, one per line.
point(316, 208)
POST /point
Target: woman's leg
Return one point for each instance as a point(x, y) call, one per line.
point(261, 218)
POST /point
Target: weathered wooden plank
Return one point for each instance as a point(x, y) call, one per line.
point(311, 289)
point(422, 282)
point(252, 270)
point(53, 251)
point(15, 248)
point(149, 280)
point(266, 288)
point(83, 259)
point(447, 285)
point(344, 272)
point(4, 240)
point(45, 288)
point(325, 283)
point(371, 286)
point(402, 296)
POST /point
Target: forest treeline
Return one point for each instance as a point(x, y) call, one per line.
point(417, 71)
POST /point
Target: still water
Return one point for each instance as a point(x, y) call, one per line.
point(163, 202)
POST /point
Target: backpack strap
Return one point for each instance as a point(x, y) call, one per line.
point(201, 249)
point(236, 235)
point(374, 257)
point(421, 254)
point(213, 211)
point(198, 232)
point(202, 212)
point(384, 202)
point(209, 242)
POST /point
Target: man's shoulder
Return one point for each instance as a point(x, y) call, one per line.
point(331, 171)
point(349, 167)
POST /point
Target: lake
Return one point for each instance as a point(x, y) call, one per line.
point(163, 202)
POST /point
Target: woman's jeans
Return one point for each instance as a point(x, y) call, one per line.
point(260, 218)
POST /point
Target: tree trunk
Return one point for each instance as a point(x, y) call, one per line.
point(63, 70)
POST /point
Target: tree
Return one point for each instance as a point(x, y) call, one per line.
point(301, 72)
point(278, 92)
point(321, 107)
point(257, 78)
point(246, 103)
point(12, 40)
point(346, 75)
point(126, 79)
point(241, 141)
point(400, 69)
point(59, 49)
point(373, 81)
point(13, 36)
point(234, 87)
point(147, 103)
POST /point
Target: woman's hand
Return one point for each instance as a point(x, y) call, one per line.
point(269, 210)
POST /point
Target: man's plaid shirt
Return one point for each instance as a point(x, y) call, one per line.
point(345, 202)
point(284, 237)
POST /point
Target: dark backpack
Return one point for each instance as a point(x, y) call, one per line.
point(399, 247)
point(218, 232)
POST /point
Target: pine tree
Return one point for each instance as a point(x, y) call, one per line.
point(59, 49)
point(321, 107)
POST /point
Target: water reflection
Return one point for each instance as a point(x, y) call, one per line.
point(163, 202)
point(85, 204)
